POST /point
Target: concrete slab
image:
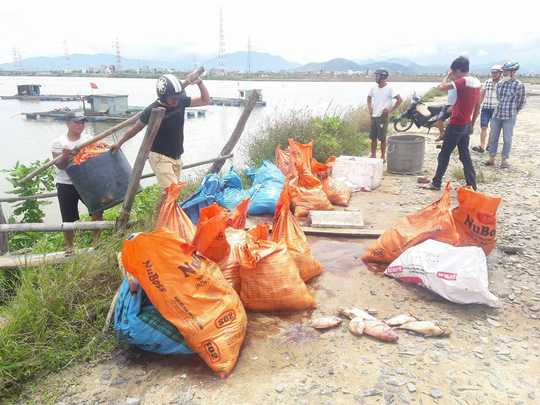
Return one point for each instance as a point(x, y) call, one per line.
point(336, 219)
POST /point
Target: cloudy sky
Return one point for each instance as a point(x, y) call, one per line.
point(299, 31)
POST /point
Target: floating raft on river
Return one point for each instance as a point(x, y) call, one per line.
point(33, 92)
point(103, 107)
point(241, 101)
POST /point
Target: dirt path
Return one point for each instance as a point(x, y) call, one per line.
point(492, 356)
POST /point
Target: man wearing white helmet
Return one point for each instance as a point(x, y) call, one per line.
point(168, 146)
point(488, 99)
point(511, 99)
point(379, 101)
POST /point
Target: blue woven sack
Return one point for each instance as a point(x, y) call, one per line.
point(267, 185)
point(139, 323)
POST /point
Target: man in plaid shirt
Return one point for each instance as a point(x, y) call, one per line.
point(511, 98)
point(488, 100)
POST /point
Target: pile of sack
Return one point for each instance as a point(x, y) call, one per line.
point(193, 283)
point(317, 190)
point(267, 183)
point(444, 249)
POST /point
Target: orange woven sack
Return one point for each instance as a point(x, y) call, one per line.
point(476, 219)
point(173, 217)
point(310, 194)
point(190, 292)
point(300, 155)
point(209, 236)
point(283, 159)
point(237, 238)
point(432, 222)
point(237, 217)
point(88, 152)
point(337, 191)
point(287, 229)
point(269, 279)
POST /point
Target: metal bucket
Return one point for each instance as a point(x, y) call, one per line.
point(102, 181)
point(405, 154)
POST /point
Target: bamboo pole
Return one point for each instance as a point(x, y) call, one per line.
point(28, 197)
point(65, 226)
point(191, 165)
point(231, 143)
point(108, 132)
point(153, 125)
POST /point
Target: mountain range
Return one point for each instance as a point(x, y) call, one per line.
point(239, 61)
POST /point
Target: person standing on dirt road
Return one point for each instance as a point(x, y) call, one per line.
point(511, 99)
point(446, 112)
point(379, 101)
point(460, 126)
point(168, 146)
point(488, 100)
point(68, 196)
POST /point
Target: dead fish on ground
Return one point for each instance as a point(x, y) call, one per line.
point(380, 330)
point(401, 319)
point(325, 322)
point(353, 312)
point(357, 325)
point(426, 328)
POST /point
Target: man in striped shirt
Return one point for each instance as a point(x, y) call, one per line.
point(488, 99)
point(511, 99)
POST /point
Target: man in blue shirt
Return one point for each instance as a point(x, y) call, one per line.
point(511, 100)
point(446, 112)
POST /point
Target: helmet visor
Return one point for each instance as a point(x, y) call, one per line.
point(178, 96)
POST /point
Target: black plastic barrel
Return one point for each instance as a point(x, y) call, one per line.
point(102, 181)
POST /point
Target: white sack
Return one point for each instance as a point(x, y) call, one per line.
point(458, 274)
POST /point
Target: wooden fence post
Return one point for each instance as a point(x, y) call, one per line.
point(4, 247)
point(231, 143)
point(153, 125)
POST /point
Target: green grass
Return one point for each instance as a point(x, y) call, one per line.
point(331, 136)
point(483, 175)
point(55, 316)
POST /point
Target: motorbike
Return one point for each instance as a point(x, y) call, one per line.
point(413, 116)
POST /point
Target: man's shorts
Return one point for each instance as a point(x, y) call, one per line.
point(379, 127)
point(444, 114)
point(485, 116)
point(68, 199)
point(166, 169)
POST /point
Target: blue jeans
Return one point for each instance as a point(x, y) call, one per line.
point(456, 135)
point(507, 127)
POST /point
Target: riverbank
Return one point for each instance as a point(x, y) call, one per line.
point(322, 78)
point(490, 358)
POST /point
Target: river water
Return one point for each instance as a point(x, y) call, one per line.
point(27, 140)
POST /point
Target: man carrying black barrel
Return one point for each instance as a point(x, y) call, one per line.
point(68, 196)
point(168, 146)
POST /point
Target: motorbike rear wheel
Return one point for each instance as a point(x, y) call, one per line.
point(403, 124)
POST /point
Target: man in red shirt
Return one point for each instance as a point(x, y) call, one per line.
point(460, 125)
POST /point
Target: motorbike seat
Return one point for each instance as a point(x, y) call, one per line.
point(435, 109)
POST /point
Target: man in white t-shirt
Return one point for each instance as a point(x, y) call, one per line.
point(68, 196)
point(379, 101)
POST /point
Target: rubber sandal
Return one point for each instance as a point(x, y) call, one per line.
point(504, 165)
point(488, 163)
point(438, 139)
point(478, 149)
point(430, 186)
